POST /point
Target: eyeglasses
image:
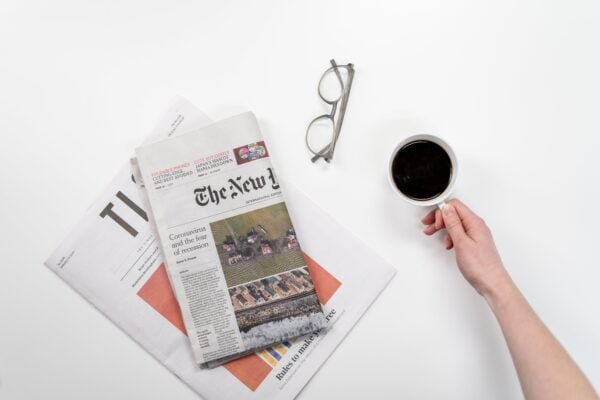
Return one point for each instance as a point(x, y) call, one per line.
point(334, 89)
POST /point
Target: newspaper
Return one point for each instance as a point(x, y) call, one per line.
point(123, 276)
point(231, 251)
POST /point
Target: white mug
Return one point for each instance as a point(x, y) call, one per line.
point(439, 200)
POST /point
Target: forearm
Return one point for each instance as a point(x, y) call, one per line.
point(545, 369)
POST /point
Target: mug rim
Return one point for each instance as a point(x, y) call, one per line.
point(442, 197)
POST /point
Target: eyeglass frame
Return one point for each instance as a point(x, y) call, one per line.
point(327, 152)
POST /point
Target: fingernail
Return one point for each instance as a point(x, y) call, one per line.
point(447, 210)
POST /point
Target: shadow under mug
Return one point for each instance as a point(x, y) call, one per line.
point(439, 200)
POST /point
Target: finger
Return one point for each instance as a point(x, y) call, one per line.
point(453, 223)
point(470, 220)
point(430, 230)
point(439, 220)
point(448, 242)
point(433, 228)
point(429, 218)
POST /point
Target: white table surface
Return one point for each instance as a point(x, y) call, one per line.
point(514, 86)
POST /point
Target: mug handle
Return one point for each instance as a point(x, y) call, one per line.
point(441, 205)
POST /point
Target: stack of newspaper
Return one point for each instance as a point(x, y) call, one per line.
point(191, 250)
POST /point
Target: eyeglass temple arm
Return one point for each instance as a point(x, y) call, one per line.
point(321, 155)
point(345, 97)
point(338, 126)
point(337, 72)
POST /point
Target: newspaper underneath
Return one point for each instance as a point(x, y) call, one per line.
point(112, 259)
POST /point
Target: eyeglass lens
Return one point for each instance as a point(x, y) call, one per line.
point(331, 86)
point(320, 134)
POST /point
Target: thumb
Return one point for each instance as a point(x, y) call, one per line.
point(453, 223)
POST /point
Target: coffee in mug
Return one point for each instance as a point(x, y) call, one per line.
point(423, 170)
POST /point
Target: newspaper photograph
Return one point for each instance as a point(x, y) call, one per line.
point(231, 250)
point(271, 290)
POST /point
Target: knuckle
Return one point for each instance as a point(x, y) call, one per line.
point(452, 224)
point(477, 221)
point(483, 225)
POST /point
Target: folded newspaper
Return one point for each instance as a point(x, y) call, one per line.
point(111, 257)
point(230, 247)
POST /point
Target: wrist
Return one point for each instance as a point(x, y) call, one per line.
point(502, 290)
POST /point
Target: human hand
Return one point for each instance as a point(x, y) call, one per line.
point(476, 253)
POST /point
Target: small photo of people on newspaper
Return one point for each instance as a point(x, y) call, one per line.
point(269, 284)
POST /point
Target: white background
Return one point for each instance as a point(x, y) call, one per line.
point(513, 86)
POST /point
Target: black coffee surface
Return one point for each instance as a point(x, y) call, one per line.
point(421, 170)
